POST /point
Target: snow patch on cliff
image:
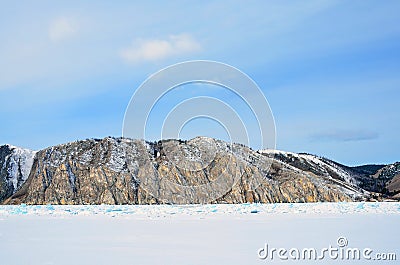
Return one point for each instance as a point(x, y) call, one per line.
point(18, 163)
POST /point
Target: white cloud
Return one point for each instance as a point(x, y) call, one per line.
point(62, 28)
point(156, 49)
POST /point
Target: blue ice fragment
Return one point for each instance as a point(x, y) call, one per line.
point(19, 210)
point(111, 209)
point(360, 206)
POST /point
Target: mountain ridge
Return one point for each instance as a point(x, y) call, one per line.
point(96, 171)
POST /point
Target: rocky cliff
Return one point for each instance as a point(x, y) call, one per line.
point(202, 170)
point(15, 166)
point(387, 180)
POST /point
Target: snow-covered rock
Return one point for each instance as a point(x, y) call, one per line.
point(15, 166)
point(201, 170)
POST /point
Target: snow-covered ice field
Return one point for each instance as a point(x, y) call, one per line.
point(195, 234)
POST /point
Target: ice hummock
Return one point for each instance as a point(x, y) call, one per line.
point(206, 210)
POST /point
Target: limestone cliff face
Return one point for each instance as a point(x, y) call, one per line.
point(84, 172)
point(15, 166)
point(124, 171)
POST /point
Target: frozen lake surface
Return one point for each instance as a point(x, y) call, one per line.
point(194, 234)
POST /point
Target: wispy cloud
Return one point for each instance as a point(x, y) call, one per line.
point(157, 49)
point(344, 136)
point(62, 28)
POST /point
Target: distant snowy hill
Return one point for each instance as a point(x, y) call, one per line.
point(314, 164)
point(109, 171)
point(377, 180)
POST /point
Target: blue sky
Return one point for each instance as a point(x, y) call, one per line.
point(329, 69)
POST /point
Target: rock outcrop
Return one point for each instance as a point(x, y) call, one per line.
point(202, 170)
point(15, 166)
point(389, 178)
